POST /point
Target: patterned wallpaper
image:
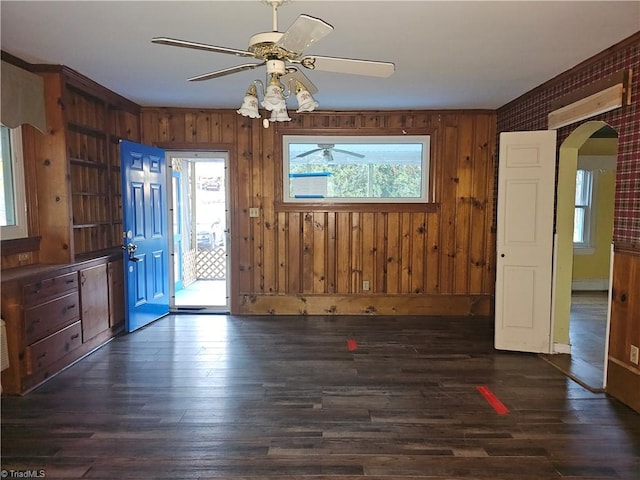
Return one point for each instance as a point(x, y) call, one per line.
point(531, 110)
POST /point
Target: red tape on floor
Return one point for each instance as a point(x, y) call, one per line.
point(489, 396)
point(352, 345)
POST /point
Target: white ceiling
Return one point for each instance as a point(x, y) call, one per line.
point(448, 54)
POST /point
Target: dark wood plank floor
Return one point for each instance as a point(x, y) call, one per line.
point(226, 397)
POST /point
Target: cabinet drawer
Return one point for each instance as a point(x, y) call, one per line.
point(49, 317)
point(43, 353)
point(36, 292)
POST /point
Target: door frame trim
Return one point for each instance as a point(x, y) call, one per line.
point(563, 269)
point(565, 205)
point(205, 153)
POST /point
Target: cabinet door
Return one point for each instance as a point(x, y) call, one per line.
point(94, 298)
point(116, 293)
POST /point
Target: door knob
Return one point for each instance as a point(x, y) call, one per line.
point(131, 248)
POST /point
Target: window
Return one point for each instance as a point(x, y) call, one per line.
point(13, 215)
point(582, 217)
point(356, 169)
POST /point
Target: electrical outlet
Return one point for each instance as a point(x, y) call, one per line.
point(365, 285)
point(634, 354)
point(254, 212)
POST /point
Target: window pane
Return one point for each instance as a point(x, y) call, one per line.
point(583, 187)
point(579, 179)
point(356, 168)
point(7, 202)
point(579, 226)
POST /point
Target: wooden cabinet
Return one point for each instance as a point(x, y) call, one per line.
point(43, 353)
point(43, 319)
point(51, 319)
point(78, 166)
point(73, 300)
point(95, 301)
point(115, 272)
point(56, 314)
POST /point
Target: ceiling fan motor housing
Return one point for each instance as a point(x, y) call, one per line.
point(263, 45)
point(276, 66)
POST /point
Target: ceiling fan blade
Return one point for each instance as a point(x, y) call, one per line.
point(295, 74)
point(348, 65)
point(346, 152)
point(226, 71)
point(309, 152)
point(174, 42)
point(302, 33)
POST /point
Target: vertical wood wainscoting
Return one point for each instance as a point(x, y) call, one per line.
point(623, 379)
point(434, 258)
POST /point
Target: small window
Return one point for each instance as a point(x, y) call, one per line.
point(582, 217)
point(392, 169)
point(13, 210)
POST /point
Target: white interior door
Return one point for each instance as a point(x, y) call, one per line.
point(526, 188)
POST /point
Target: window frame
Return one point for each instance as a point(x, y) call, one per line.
point(21, 227)
point(426, 197)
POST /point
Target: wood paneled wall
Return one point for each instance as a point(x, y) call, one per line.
point(436, 258)
point(623, 380)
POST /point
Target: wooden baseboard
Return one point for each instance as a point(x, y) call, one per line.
point(562, 348)
point(590, 285)
point(623, 384)
point(445, 305)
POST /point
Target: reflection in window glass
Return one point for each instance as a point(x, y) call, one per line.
point(356, 169)
point(7, 202)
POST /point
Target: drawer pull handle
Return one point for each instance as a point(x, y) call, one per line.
point(71, 280)
point(66, 309)
point(42, 355)
point(73, 337)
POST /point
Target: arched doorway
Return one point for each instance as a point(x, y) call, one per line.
point(590, 149)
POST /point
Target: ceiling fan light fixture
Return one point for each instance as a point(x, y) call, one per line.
point(249, 106)
point(275, 100)
point(306, 103)
point(274, 97)
point(280, 114)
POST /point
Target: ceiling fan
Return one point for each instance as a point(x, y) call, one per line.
point(282, 52)
point(327, 150)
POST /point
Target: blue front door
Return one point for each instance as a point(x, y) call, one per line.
point(144, 211)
